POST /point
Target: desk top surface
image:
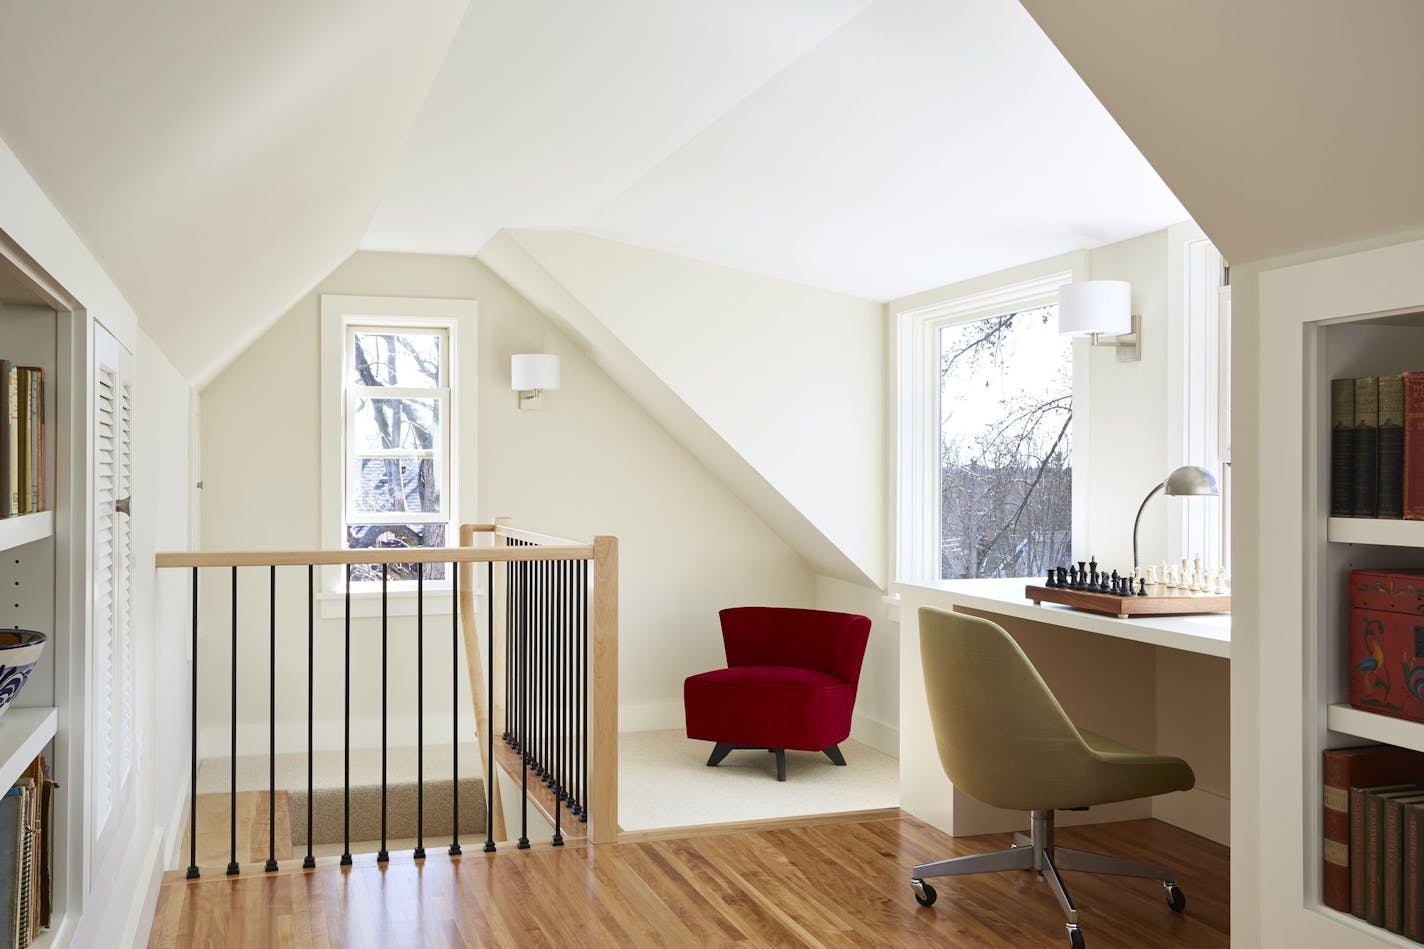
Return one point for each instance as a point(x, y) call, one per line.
point(1205, 633)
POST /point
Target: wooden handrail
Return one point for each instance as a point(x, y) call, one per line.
point(301, 558)
point(530, 537)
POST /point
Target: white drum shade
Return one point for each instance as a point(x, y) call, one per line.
point(1095, 306)
point(529, 371)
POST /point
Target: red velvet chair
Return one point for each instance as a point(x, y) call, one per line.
point(790, 682)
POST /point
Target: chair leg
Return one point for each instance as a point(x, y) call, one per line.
point(721, 751)
point(1055, 883)
point(780, 764)
point(834, 753)
point(1069, 859)
point(1015, 858)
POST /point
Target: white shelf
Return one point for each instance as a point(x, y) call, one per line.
point(1369, 530)
point(1375, 727)
point(25, 529)
point(23, 734)
point(1379, 933)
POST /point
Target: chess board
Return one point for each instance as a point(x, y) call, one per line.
point(1159, 601)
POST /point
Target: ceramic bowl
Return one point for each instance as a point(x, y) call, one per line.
point(19, 651)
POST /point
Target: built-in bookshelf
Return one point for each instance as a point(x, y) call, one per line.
point(1341, 318)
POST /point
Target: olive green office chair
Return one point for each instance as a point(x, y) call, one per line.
point(1003, 739)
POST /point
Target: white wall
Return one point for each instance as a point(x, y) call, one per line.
point(161, 633)
point(591, 461)
point(791, 377)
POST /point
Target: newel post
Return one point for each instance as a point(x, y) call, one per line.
point(603, 610)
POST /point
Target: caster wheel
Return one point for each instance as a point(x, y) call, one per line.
point(1176, 899)
point(1075, 937)
point(925, 894)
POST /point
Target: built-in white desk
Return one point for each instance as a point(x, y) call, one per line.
point(1206, 633)
point(1157, 683)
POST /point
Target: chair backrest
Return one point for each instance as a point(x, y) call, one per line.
point(828, 642)
point(1003, 738)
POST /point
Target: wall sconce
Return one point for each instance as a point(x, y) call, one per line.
point(530, 374)
point(1186, 481)
point(1101, 309)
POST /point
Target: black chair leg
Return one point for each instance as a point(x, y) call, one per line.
point(718, 753)
point(834, 753)
point(780, 764)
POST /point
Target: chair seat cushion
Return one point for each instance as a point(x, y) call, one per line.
point(769, 707)
point(1122, 773)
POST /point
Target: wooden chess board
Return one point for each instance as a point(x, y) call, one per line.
point(1159, 601)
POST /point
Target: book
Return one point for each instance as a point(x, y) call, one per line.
point(1341, 770)
point(1414, 446)
point(22, 437)
point(1366, 446)
point(9, 856)
point(1375, 844)
point(12, 439)
point(1392, 846)
point(1342, 447)
point(1413, 878)
point(1360, 854)
point(4, 438)
point(1390, 451)
point(35, 458)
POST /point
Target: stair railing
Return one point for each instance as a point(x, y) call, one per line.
point(550, 688)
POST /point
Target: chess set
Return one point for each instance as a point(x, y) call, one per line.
point(1172, 590)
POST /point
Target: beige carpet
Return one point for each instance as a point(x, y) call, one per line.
point(664, 781)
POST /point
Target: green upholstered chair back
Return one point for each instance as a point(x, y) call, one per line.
point(1002, 736)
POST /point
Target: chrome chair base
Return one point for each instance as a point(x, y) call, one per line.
point(1037, 852)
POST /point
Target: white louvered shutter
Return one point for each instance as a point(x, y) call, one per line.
point(112, 646)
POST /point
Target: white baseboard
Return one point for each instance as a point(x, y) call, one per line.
point(173, 836)
point(138, 922)
point(651, 717)
point(1203, 812)
point(882, 736)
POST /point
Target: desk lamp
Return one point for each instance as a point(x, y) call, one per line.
point(1186, 481)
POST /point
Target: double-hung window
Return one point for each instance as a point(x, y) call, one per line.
point(397, 441)
point(390, 445)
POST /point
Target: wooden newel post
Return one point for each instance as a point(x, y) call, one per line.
point(603, 757)
point(475, 663)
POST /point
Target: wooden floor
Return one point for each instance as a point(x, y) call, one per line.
point(834, 883)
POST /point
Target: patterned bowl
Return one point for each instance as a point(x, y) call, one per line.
point(19, 651)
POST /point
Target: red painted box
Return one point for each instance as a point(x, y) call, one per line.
point(1386, 637)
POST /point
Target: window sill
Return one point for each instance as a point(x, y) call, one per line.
point(331, 605)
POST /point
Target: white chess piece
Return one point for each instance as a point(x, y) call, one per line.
point(1171, 578)
point(1164, 573)
point(1152, 575)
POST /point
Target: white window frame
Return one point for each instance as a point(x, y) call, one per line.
point(1199, 390)
point(341, 317)
point(917, 522)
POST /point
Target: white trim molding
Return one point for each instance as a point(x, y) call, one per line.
point(917, 408)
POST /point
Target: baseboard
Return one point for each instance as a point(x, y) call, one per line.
point(650, 717)
point(173, 831)
point(138, 922)
point(883, 737)
point(1203, 812)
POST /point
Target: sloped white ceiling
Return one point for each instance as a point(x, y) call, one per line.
point(872, 148)
point(1283, 125)
point(546, 109)
point(218, 159)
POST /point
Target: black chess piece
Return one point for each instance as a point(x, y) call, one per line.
point(1062, 576)
point(1127, 588)
point(1083, 570)
point(1052, 578)
point(1093, 565)
point(1142, 587)
point(1103, 586)
point(1072, 577)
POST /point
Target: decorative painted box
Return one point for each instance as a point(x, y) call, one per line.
point(1386, 637)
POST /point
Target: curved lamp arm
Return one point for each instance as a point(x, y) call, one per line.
point(1138, 522)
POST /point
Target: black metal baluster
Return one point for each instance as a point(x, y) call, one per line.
point(193, 762)
point(555, 693)
point(489, 709)
point(455, 706)
point(272, 720)
point(546, 609)
point(383, 856)
point(232, 866)
point(309, 861)
point(541, 667)
point(568, 680)
point(509, 644)
point(420, 712)
point(581, 615)
point(524, 716)
point(346, 739)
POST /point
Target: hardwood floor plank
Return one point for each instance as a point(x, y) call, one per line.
point(825, 884)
